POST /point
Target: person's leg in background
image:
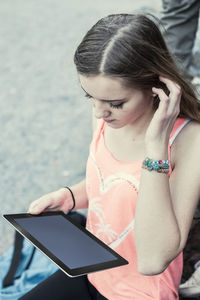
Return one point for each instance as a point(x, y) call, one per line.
point(180, 19)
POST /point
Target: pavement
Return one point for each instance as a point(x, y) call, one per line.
point(45, 121)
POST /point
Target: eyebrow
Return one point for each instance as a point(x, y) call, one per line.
point(124, 99)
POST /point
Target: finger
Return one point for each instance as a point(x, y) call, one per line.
point(40, 205)
point(172, 86)
point(161, 94)
point(166, 105)
point(163, 104)
point(175, 95)
point(168, 82)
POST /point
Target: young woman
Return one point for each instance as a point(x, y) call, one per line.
point(142, 178)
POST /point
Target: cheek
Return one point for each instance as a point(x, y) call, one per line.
point(139, 105)
point(128, 113)
point(135, 109)
point(132, 108)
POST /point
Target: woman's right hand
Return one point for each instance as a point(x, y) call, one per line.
point(58, 200)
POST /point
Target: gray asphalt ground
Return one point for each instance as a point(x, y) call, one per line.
point(45, 120)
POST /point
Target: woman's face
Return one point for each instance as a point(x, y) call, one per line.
point(112, 101)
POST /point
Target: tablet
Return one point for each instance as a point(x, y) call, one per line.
point(74, 249)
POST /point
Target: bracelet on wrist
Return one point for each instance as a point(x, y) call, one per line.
point(72, 197)
point(161, 166)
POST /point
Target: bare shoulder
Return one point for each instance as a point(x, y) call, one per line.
point(187, 141)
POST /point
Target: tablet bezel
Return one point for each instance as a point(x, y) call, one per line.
point(120, 261)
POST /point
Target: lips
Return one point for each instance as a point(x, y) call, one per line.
point(108, 120)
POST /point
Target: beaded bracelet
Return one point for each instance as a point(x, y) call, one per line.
point(161, 166)
point(72, 196)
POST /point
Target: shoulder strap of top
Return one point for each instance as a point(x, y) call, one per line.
point(99, 128)
point(96, 134)
point(179, 124)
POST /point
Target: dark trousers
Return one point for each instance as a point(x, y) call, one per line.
point(59, 286)
point(180, 18)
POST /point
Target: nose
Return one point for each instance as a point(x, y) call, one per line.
point(101, 110)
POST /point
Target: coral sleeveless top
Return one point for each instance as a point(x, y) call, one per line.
point(112, 189)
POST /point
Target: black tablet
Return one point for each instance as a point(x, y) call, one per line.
point(74, 249)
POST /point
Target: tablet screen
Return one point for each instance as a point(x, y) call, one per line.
point(66, 241)
point(71, 246)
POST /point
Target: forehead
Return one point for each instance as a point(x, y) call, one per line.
point(103, 87)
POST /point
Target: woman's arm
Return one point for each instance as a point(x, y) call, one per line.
point(80, 194)
point(165, 207)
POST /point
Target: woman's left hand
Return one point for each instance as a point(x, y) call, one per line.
point(162, 123)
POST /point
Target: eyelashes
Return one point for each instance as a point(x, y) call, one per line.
point(117, 106)
point(111, 105)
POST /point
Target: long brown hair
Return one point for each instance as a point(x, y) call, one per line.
point(131, 47)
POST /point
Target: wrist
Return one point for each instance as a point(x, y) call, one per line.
point(161, 166)
point(67, 199)
point(156, 151)
point(72, 198)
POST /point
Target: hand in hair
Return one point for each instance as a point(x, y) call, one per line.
point(161, 125)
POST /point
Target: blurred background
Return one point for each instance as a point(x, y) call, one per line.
point(45, 120)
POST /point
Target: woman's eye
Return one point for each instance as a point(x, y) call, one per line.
point(111, 105)
point(117, 106)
